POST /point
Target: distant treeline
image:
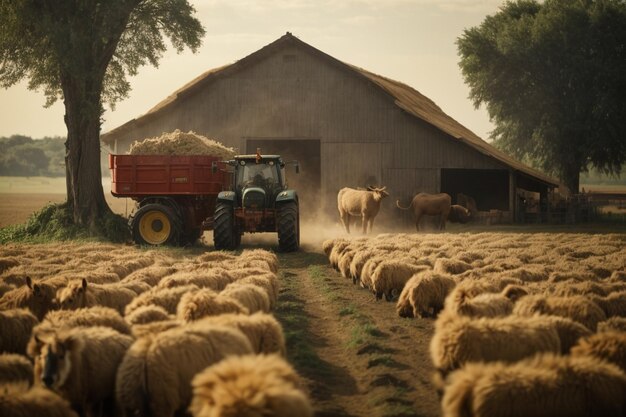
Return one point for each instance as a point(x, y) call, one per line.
point(23, 156)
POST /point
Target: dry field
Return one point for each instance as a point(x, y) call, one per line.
point(357, 356)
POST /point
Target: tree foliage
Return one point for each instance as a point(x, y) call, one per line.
point(83, 51)
point(553, 78)
point(25, 156)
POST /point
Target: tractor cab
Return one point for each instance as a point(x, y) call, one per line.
point(257, 181)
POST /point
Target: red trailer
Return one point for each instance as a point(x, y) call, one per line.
point(176, 195)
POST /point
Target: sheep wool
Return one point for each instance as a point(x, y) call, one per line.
point(250, 386)
point(610, 346)
point(19, 401)
point(154, 378)
point(204, 302)
point(15, 368)
point(578, 308)
point(147, 314)
point(546, 385)
point(16, 326)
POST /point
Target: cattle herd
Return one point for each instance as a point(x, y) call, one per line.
point(365, 204)
point(104, 330)
point(525, 324)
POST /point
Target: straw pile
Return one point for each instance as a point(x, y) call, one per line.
point(181, 143)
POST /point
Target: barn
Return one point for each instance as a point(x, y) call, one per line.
point(346, 126)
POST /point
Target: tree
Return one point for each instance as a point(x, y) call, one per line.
point(82, 51)
point(553, 78)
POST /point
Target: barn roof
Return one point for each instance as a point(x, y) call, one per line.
point(404, 96)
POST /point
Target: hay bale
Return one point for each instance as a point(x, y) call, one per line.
point(181, 143)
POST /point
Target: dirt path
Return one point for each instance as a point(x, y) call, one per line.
point(359, 357)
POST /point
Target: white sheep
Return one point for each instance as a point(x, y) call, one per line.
point(268, 282)
point(609, 346)
point(546, 385)
point(613, 323)
point(154, 378)
point(80, 294)
point(81, 363)
point(16, 326)
point(578, 308)
point(392, 275)
point(15, 368)
point(168, 298)
point(262, 330)
point(614, 304)
point(205, 302)
point(461, 339)
point(250, 386)
point(215, 279)
point(147, 314)
point(424, 295)
point(16, 400)
point(251, 296)
point(38, 297)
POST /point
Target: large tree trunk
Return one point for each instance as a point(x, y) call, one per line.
point(82, 158)
point(570, 176)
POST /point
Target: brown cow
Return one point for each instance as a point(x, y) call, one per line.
point(431, 205)
point(360, 203)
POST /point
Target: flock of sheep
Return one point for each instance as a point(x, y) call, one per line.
point(98, 329)
point(525, 324)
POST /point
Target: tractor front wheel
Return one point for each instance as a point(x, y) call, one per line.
point(225, 235)
point(155, 224)
point(288, 227)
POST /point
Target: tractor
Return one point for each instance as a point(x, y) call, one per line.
point(259, 201)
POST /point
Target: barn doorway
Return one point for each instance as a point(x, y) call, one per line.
point(308, 182)
point(489, 187)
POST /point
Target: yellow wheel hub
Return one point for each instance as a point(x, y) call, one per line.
point(155, 227)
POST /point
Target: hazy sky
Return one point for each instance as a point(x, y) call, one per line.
point(412, 41)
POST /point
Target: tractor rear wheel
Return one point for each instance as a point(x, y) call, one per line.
point(155, 224)
point(225, 235)
point(288, 227)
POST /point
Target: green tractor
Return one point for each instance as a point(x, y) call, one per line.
point(259, 202)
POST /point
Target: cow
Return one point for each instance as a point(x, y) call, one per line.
point(436, 205)
point(360, 203)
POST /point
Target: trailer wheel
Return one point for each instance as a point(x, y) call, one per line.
point(288, 225)
point(225, 235)
point(155, 224)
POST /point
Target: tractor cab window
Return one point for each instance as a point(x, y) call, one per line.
point(260, 175)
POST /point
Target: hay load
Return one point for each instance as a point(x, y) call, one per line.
point(181, 143)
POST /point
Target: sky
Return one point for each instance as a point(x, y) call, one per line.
point(411, 41)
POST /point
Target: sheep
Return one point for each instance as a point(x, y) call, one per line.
point(205, 302)
point(138, 287)
point(578, 308)
point(613, 304)
point(15, 328)
point(251, 296)
point(37, 297)
point(609, 346)
point(424, 295)
point(249, 386)
point(154, 378)
point(156, 327)
point(79, 293)
point(151, 275)
point(360, 203)
point(451, 266)
point(365, 281)
point(268, 282)
point(514, 292)
point(147, 314)
point(392, 275)
point(546, 385)
point(15, 368)
point(617, 276)
point(261, 254)
point(215, 279)
point(461, 339)
point(327, 245)
point(18, 401)
point(167, 298)
point(565, 289)
point(81, 363)
point(482, 305)
point(5, 288)
point(338, 249)
point(614, 323)
point(358, 261)
point(263, 330)
point(569, 331)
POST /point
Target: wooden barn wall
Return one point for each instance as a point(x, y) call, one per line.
point(292, 94)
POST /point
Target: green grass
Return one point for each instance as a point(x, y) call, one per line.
point(54, 223)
